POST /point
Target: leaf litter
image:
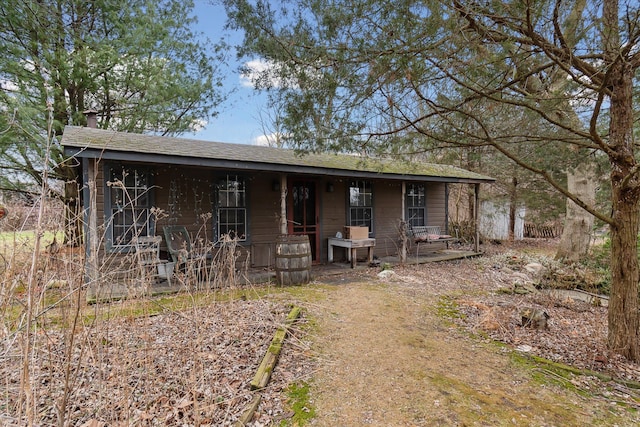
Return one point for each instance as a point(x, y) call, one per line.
point(180, 368)
point(194, 367)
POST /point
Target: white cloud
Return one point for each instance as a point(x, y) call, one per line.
point(270, 140)
point(263, 73)
point(252, 72)
point(198, 125)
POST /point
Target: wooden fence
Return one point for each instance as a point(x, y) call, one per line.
point(542, 230)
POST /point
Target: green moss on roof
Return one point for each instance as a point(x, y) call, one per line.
point(103, 140)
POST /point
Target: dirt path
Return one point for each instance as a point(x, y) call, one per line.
point(388, 359)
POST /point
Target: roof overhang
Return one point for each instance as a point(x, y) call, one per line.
point(92, 148)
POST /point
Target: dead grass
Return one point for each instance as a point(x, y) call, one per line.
point(191, 367)
point(184, 359)
point(373, 352)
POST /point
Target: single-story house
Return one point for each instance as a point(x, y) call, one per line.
point(135, 184)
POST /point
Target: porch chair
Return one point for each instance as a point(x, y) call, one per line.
point(148, 257)
point(179, 245)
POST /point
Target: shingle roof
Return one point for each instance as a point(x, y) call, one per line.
point(98, 143)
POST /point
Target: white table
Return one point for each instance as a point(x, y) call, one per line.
point(352, 245)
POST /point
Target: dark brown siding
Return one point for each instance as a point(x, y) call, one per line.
point(436, 212)
point(264, 217)
point(333, 214)
point(436, 205)
point(180, 196)
point(387, 213)
point(185, 196)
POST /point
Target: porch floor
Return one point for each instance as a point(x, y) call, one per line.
point(117, 291)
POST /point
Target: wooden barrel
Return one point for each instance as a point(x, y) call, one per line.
point(293, 260)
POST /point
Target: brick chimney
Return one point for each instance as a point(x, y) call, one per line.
point(92, 118)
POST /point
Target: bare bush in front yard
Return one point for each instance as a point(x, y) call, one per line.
point(182, 359)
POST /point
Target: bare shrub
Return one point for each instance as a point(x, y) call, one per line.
point(182, 359)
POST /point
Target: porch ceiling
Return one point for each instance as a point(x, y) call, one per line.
point(97, 143)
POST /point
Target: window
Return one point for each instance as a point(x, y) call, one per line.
point(128, 204)
point(231, 212)
point(361, 204)
point(416, 203)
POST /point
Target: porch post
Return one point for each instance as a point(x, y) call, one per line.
point(92, 244)
point(283, 205)
point(403, 236)
point(476, 219)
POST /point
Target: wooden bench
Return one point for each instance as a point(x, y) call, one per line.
point(429, 234)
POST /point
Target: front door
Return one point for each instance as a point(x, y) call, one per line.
point(302, 212)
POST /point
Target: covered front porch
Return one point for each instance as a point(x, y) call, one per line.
point(183, 198)
point(154, 286)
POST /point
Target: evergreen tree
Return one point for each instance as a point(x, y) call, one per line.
point(385, 76)
point(135, 62)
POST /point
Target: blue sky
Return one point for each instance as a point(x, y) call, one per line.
point(238, 121)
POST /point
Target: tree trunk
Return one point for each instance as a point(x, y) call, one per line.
point(513, 201)
point(576, 236)
point(623, 301)
point(625, 274)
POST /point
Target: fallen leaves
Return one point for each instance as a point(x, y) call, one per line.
point(577, 330)
point(180, 368)
point(194, 367)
